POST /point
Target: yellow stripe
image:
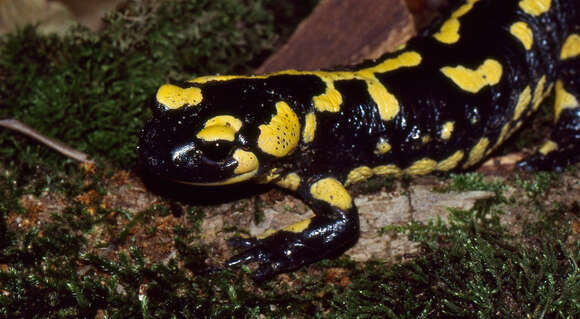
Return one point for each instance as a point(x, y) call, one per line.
point(450, 162)
point(489, 73)
point(523, 101)
point(331, 100)
point(421, 167)
point(358, 174)
point(449, 31)
point(477, 152)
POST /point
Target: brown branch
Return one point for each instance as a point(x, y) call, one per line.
point(54, 144)
point(344, 32)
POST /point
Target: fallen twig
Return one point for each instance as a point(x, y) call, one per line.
point(56, 145)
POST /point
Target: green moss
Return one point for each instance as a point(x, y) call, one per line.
point(471, 182)
point(537, 187)
point(374, 184)
point(471, 267)
point(91, 91)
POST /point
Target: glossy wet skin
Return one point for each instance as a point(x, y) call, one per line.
point(445, 101)
point(219, 140)
point(170, 148)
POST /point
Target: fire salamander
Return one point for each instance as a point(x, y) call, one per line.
point(444, 101)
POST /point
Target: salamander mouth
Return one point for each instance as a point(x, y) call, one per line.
point(246, 166)
point(177, 156)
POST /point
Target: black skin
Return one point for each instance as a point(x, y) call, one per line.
point(347, 139)
point(328, 235)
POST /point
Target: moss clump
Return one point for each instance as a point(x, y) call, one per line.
point(91, 91)
point(90, 261)
point(471, 182)
point(471, 268)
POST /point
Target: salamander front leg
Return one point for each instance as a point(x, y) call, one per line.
point(334, 229)
point(563, 148)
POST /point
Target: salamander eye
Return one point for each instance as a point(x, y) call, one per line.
point(217, 150)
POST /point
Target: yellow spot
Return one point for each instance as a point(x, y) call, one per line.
point(523, 101)
point(571, 47)
point(173, 97)
point(447, 130)
point(489, 73)
point(539, 93)
point(522, 32)
point(291, 181)
point(309, 128)
point(331, 191)
point(477, 152)
point(294, 228)
point(282, 134)
point(225, 120)
point(421, 167)
point(504, 134)
point(247, 162)
point(382, 147)
point(548, 147)
point(564, 100)
point(386, 170)
point(217, 133)
point(449, 32)
point(358, 174)
point(425, 139)
point(267, 178)
point(535, 7)
point(450, 162)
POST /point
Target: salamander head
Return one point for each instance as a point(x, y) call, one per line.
point(197, 140)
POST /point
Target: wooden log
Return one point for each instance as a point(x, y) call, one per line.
point(344, 32)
